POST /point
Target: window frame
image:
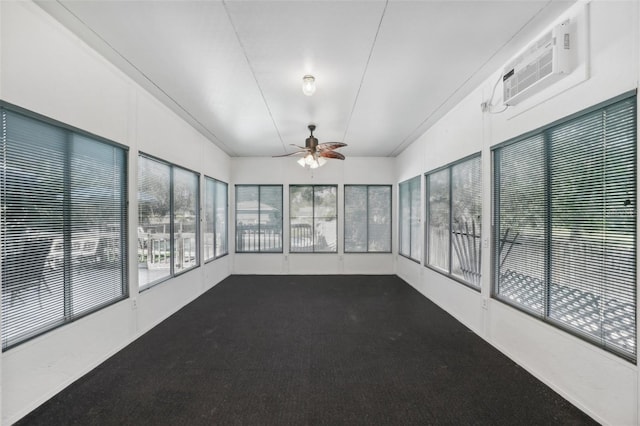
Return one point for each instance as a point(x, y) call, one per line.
point(495, 199)
point(215, 183)
point(172, 272)
point(196, 221)
point(313, 216)
point(235, 223)
point(407, 182)
point(344, 224)
point(448, 273)
point(124, 231)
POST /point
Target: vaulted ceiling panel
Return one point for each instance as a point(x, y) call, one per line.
point(385, 70)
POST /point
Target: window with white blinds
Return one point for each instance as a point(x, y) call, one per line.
point(168, 220)
point(438, 239)
point(63, 221)
point(186, 218)
point(208, 221)
point(215, 218)
point(454, 211)
point(409, 219)
point(565, 225)
point(221, 208)
point(258, 218)
point(367, 218)
point(313, 215)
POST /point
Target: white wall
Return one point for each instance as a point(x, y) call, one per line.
point(46, 69)
point(285, 171)
point(601, 384)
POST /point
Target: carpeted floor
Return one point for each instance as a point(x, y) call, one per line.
point(309, 350)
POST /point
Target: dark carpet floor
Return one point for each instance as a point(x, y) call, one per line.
point(309, 350)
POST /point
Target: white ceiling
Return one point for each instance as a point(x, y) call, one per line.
point(385, 70)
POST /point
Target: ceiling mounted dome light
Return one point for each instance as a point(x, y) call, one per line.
point(308, 85)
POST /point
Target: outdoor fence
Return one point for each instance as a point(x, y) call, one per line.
point(254, 238)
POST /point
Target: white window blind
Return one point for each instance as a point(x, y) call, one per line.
point(313, 218)
point(185, 218)
point(259, 218)
point(63, 225)
point(409, 219)
point(221, 209)
point(215, 218)
point(168, 220)
point(367, 221)
point(438, 219)
point(154, 221)
point(565, 225)
point(208, 221)
point(454, 209)
point(466, 215)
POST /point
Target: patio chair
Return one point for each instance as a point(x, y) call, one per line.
point(24, 268)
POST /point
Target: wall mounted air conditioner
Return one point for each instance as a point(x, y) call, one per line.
point(544, 62)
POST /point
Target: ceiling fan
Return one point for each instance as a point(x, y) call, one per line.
point(314, 152)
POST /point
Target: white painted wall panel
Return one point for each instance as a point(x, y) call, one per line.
point(160, 134)
point(612, 64)
point(46, 69)
point(368, 263)
point(285, 171)
point(154, 303)
point(34, 371)
point(463, 302)
point(600, 383)
point(597, 382)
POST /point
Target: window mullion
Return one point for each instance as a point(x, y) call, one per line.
point(172, 259)
point(450, 219)
point(496, 225)
point(548, 232)
point(66, 229)
point(259, 218)
point(313, 217)
point(215, 219)
point(410, 194)
point(367, 219)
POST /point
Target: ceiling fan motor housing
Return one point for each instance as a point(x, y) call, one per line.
point(311, 143)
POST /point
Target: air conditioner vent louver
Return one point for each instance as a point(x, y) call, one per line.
point(544, 62)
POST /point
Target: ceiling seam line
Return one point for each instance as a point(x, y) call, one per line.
point(364, 72)
point(401, 146)
point(146, 77)
point(253, 73)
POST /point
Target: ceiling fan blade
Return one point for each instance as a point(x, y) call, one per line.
point(298, 146)
point(331, 154)
point(291, 153)
point(328, 146)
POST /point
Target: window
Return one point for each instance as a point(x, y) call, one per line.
point(185, 218)
point(208, 219)
point(454, 209)
point(168, 220)
point(63, 219)
point(565, 225)
point(409, 218)
point(215, 219)
point(154, 228)
point(313, 218)
point(367, 218)
point(258, 218)
point(222, 217)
